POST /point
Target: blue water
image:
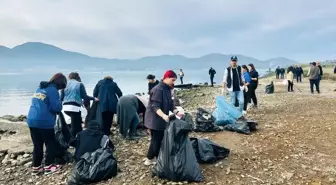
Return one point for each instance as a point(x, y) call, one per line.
point(16, 89)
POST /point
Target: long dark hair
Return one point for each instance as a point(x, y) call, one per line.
point(252, 66)
point(244, 67)
point(59, 80)
point(289, 69)
point(75, 76)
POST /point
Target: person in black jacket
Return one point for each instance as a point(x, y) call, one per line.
point(277, 72)
point(321, 72)
point(212, 73)
point(152, 82)
point(108, 92)
point(90, 140)
point(253, 84)
point(299, 73)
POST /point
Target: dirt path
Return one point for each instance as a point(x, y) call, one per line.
point(295, 144)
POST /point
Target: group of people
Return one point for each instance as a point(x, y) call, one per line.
point(280, 73)
point(241, 82)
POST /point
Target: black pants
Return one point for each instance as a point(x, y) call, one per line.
point(247, 98)
point(211, 80)
point(290, 86)
point(107, 122)
point(155, 144)
point(317, 85)
point(277, 76)
point(181, 78)
point(298, 78)
point(76, 122)
point(39, 138)
point(253, 95)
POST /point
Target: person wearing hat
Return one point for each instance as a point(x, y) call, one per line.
point(156, 116)
point(314, 73)
point(152, 82)
point(234, 81)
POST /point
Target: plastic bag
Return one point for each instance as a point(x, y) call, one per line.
point(94, 113)
point(205, 122)
point(94, 167)
point(177, 160)
point(269, 89)
point(239, 127)
point(207, 151)
point(62, 133)
point(225, 113)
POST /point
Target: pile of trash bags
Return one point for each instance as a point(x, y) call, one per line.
point(205, 122)
point(63, 137)
point(95, 166)
point(269, 89)
point(177, 160)
point(207, 151)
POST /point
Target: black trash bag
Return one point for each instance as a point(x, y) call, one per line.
point(205, 122)
point(243, 127)
point(62, 133)
point(269, 89)
point(94, 167)
point(188, 118)
point(177, 160)
point(207, 151)
point(94, 113)
point(64, 157)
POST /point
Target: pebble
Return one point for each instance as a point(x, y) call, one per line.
point(26, 155)
point(28, 164)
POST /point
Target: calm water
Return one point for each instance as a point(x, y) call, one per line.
point(16, 89)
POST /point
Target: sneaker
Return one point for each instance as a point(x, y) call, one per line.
point(244, 113)
point(51, 169)
point(149, 162)
point(37, 170)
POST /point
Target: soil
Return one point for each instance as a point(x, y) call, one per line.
point(295, 143)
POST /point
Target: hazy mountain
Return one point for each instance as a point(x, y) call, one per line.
point(36, 55)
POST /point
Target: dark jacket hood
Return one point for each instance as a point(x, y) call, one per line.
point(44, 84)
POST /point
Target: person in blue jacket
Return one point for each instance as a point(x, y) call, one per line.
point(108, 93)
point(41, 119)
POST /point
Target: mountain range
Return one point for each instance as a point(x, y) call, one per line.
point(37, 55)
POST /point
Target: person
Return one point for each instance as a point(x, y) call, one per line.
point(41, 119)
point(181, 74)
point(128, 109)
point(290, 79)
point(90, 140)
point(212, 73)
point(156, 116)
point(108, 92)
point(152, 82)
point(247, 90)
point(282, 73)
point(277, 72)
point(314, 74)
point(234, 81)
point(253, 84)
point(72, 97)
point(335, 69)
point(299, 73)
point(321, 72)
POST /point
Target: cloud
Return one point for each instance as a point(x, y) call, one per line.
point(131, 29)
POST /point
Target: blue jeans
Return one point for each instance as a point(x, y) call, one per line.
point(134, 124)
point(240, 96)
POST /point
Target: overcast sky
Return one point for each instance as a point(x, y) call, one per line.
point(297, 29)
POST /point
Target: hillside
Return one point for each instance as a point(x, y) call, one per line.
point(33, 55)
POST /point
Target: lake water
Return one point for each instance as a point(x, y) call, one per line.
point(16, 89)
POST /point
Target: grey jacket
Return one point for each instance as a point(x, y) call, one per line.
point(160, 98)
point(314, 73)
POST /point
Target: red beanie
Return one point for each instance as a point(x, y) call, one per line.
point(169, 74)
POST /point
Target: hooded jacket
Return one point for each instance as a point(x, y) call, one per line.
point(45, 105)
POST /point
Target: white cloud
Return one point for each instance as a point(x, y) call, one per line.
point(128, 28)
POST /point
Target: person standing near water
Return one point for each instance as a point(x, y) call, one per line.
point(152, 82)
point(41, 119)
point(72, 97)
point(108, 93)
point(212, 73)
point(233, 81)
point(181, 74)
point(156, 116)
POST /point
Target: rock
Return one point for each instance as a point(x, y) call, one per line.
point(19, 158)
point(3, 152)
point(24, 161)
point(210, 183)
point(26, 155)
point(7, 117)
point(14, 162)
point(6, 160)
point(28, 164)
point(13, 156)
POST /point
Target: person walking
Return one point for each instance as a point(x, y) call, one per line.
point(41, 119)
point(108, 92)
point(233, 81)
point(72, 97)
point(290, 79)
point(156, 116)
point(152, 82)
point(247, 89)
point(314, 75)
point(253, 84)
point(212, 73)
point(181, 74)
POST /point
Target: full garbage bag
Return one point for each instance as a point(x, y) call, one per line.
point(207, 151)
point(242, 126)
point(95, 113)
point(177, 160)
point(269, 89)
point(62, 133)
point(205, 122)
point(94, 167)
point(225, 113)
